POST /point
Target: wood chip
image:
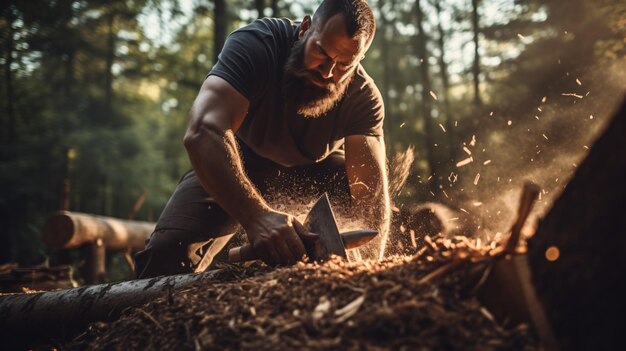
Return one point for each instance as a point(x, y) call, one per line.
point(401, 302)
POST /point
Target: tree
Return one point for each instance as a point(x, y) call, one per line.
point(9, 16)
point(422, 55)
point(445, 83)
point(260, 7)
point(476, 65)
point(221, 25)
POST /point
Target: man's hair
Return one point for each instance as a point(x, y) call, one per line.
point(358, 16)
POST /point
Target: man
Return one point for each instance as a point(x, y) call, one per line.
point(286, 109)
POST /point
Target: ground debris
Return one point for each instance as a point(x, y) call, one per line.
point(363, 305)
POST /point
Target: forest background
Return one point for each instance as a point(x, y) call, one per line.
point(95, 94)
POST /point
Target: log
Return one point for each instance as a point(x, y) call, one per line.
point(578, 254)
point(28, 319)
point(69, 230)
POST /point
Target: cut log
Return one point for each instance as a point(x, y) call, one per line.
point(33, 318)
point(578, 254)
point(69, 230)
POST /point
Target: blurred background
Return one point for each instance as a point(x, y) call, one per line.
point(94, 97)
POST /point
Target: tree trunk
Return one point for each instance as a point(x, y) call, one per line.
point(219, 34)
point(71, 229)
point(7, 137)
point(260, 7)
point(385, 61)
point(10, 109)
point(275, 10)
point(578, 254)
point(476, 65)
point(110, 56)
point(31, 318)
point(445, 85)
point(422, 54)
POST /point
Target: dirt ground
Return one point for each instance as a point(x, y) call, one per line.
point(401, 303)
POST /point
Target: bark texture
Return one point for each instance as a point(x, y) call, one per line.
point(32, 318)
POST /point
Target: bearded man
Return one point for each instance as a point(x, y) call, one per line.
point(287, 109)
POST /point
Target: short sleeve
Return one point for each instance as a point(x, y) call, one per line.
point(244, 63)
point(365, 111)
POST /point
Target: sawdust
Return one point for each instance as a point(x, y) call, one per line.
point(399, 303)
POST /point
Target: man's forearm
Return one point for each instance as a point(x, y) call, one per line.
point(381, 212)
point(365, 167)
point(373, 208)
point(215, 158)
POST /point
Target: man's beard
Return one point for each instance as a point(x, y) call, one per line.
point(300, 94)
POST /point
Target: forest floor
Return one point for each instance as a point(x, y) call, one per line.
point(400, 303)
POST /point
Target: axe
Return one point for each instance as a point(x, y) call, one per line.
point(321, 221)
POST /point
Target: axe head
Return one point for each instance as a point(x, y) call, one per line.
point(321, 220)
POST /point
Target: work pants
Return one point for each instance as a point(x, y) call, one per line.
point(193, 225)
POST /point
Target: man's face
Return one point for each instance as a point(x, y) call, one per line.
point(320, 66)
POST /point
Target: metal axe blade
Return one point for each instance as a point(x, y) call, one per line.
point(320, 220)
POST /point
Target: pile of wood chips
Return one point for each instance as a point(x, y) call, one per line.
point(394, 304)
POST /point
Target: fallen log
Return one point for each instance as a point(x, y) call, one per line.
point(69, 230)
point(58, 314)
point(578, 254)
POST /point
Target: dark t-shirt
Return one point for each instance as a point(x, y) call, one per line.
point(252, 61)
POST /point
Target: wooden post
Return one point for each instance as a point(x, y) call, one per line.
point(94, 254)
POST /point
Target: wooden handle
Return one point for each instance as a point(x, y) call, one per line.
point(241, 254)
point(350, 239)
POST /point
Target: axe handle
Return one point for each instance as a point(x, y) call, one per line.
point(241, 254)
point(350, 240)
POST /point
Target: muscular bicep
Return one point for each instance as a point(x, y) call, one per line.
point(365, 166)
point(218, 106)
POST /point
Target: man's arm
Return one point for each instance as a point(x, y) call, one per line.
point(367, 176)
point(217, 113)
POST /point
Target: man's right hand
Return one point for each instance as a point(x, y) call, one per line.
point(277, 237)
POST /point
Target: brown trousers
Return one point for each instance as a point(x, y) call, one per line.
point(192, 221)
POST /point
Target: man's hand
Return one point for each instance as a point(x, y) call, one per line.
point(277, 238)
